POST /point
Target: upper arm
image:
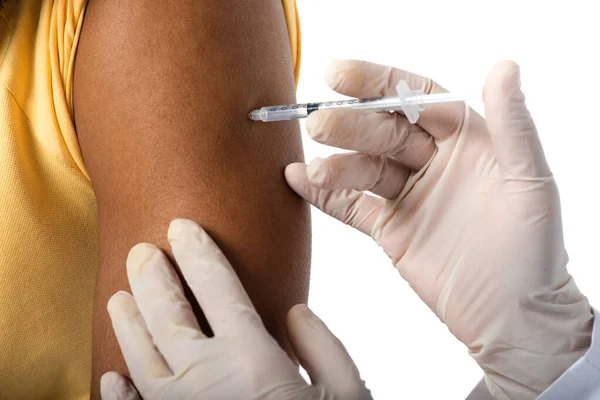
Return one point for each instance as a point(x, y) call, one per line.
point(161, 95)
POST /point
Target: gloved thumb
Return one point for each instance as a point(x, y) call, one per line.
point(116, 387)
point(515, 139)
point(323, 356)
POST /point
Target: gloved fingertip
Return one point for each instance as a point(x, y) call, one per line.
point(295, 176)
point(307, 318)
point(294, 168)
point(108, 383)
point(502, 80)
point(114, 386)
point(332, 72)
point(322, 355)
point(176, 227)
point(116, 300)
point(317, 173)
point(139, 252)
point(299, 311)
point(304, 327)
point(515, 140)
point(138, 257)
point(184, 227)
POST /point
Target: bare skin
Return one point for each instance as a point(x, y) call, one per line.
point(161, 94)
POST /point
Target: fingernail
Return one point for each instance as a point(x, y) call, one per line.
point(517, 72)
point(304, 308)
point(288, 172)
point(175, 228)
point(138, 257)
point(511, 75)
point(184, 227)
point(115, 300)
point(311, 317)
point(316, 172)
point(114, 386)
point(139, 252)
point(295, 176)
point(303, 311)
point(331, 74)
point(514, 77)
point(288, 169)
point(107, 384)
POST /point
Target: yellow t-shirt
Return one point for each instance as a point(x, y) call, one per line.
point(48, 217)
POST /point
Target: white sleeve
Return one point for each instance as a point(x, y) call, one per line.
point(480, 392)
point(581, 381)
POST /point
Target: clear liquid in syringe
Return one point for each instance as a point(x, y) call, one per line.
point(298, 111)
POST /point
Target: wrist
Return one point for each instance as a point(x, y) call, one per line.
point(524, 354)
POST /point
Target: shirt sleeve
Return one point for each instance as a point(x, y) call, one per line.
point(37, 70)
point(581, 381)
point(65, 20)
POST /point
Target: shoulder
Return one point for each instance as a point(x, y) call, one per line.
point(38, 39)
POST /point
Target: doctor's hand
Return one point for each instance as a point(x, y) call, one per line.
point(169, 357)
point(469, 214)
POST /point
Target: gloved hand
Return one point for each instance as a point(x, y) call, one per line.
point(169, 357)
point(470, 217)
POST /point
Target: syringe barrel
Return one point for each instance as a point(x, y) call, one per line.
point(282, 113)
point(298, 111)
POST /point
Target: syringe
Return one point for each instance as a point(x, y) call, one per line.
point(410, 102)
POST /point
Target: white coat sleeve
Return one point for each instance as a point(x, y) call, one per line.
point(581, 381)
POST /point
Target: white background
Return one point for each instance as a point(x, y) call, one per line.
point(401, 348)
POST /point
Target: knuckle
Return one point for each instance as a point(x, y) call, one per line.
point(390, 78)
point(182, 333)
point(327, 173)
point(399, 139)
point(237, 313)
point(351, 212)
point(430, 85)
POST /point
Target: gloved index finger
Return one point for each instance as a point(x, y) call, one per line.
point(363, 79)
point(143, 359)
point(160, 299)
point(213, 281)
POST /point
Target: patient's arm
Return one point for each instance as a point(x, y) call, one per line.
point(162, 93)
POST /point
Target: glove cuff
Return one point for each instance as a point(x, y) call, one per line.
point(536, 343)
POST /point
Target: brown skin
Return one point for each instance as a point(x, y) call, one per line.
point(161, 94)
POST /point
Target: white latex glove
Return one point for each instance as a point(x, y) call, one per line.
point(470, 218)
point(169, 357)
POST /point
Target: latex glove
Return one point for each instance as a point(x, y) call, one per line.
point(471, 218)
point(169, 357)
